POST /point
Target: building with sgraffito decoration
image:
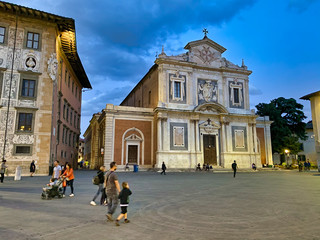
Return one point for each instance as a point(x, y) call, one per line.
point(42, 77)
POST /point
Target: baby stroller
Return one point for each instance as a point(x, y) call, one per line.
point(55, 190)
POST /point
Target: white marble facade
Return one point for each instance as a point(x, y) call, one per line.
point(203, 110)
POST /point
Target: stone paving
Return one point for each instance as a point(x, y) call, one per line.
point(199, 205)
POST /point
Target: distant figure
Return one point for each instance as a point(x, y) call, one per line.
point(207, 167)
point(3, 168)
point(163, 168)
point(234, 167)
point(198, 167)
point(204, 166)
point(300, 166)
point(211, 167)
point(305, 166)
point(32, 168)
point(308, 165)
point(124, 203)
point(254, 167)
point(127, 167)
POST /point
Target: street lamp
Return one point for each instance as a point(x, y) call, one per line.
point(287, 152)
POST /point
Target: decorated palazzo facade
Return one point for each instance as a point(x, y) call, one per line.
point(188, 109)
point(41, 79)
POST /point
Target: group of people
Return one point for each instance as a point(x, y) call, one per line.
point(109, 188)
point(205, 167)
point(306, 165)
point(66, 173)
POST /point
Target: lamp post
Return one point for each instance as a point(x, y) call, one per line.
point(287, 152)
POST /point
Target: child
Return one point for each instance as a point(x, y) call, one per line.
point(50, 184)
point(124, 202)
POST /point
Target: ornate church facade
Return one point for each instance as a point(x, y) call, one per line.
point(188, 109)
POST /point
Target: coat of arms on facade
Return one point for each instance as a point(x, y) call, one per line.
point(53, 67)
point(205, 54)
point(207, 91)
point(30, 61)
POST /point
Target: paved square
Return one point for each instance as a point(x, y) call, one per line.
point(261, 205)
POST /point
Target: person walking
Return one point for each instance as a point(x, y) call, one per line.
point(32, 168)
point(164, 168)
point(234, 168)
point(112, 189)
point(69, 177)
point(3, 168)
point(124, 203)
point(100, 174)
point(56, 170)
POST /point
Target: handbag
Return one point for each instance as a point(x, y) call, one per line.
point(64, 183)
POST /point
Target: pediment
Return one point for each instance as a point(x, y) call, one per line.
point(133, 137)
point(211, 108)
point(207, 42)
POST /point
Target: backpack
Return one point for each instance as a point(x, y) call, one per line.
point(96, 180)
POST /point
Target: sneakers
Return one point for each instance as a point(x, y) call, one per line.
point(71, 195)
point(117, 223)
point(126, 221)
point(92, 203)
point(109, 216)
point(63, 195)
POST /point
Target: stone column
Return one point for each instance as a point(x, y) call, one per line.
point(254, 126)
point(197, 138)
point(159, 133)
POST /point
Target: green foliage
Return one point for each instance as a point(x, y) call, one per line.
point(288, 126)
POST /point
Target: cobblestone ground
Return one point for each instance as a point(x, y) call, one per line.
point(260, 205)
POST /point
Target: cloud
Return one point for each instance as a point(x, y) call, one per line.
point(300, 5)
point(253, 91)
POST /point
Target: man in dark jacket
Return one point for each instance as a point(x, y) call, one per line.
point(163, 168)
point(234, 168)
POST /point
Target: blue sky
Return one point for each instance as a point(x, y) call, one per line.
point(117, 42)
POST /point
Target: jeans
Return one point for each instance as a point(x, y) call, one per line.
point(100, 187)
point(69, 183)
point(112, 202)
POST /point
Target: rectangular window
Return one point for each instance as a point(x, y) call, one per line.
point(177, 89)
point(236, 95)
point(64, 110)
point(66, 137)
point(33, 40)
point(67, 113)
point(69, 79)
point(65, 76)
point(58, 132)
point(28, 87)
point(63, 134)
point(76, 92)
point(23, 149)
point(61, 153)
point(2, 34)
point(75, 120)
point(78, 126)
point(65, 154)
point(79, 94)
point(70, 138)
point(25, 122)
point(71, 117)
point(72, 86)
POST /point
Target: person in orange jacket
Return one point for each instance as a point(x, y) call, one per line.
point(69, 177)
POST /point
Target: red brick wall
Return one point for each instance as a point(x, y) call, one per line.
point(121, 126)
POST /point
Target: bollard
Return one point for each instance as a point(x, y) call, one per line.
point(17, 176)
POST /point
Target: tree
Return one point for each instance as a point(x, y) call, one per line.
point(288, 126)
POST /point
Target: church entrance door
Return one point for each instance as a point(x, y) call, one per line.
point(210, 152)
point(133, 154)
